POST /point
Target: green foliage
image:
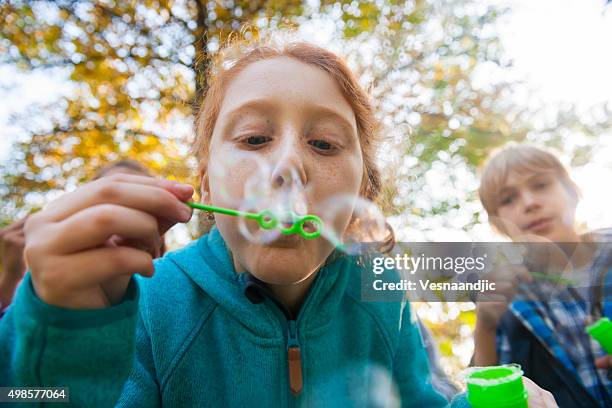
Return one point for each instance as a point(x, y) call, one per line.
point(136, 67)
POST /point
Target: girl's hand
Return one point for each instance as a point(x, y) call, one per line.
point(83, 248)
point(538, 397)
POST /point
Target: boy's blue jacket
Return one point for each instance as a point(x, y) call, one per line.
point(190, 337)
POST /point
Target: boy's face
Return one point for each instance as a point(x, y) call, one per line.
point(536, 204)
point(293, 117)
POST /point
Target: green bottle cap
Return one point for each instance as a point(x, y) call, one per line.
point(601, 331)
point(496, 386)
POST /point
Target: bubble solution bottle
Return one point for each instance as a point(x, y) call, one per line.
point(496, 386)
point(601, 331)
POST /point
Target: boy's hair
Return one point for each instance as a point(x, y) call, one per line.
point(128, 164)
point(236, 57)
point(521, 158)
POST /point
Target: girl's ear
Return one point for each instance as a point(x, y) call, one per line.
point(205, 189)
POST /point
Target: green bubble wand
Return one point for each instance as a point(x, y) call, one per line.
point(554, 278)
point(268, 220)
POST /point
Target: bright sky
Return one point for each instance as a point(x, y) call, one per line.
point(561, 47)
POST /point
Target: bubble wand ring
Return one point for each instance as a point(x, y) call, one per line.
point(267, 220)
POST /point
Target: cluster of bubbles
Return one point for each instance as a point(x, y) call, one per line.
point(349, 221)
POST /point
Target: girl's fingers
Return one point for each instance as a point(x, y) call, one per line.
point(549, 400)
point(71, 273)
point(182, 191)
point(538, 397)
point(93, 226)
point(144, 197)
point(533, 392)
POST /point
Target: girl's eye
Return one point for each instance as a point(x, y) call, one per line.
point(541, 185)
point(321, 144)
point(257, 140)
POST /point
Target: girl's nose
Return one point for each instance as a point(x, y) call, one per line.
point(288, 174)
point(288, 171)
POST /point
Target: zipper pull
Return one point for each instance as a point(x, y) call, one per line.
point(294, 360)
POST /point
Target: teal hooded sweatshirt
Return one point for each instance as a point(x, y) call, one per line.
point(199, 334)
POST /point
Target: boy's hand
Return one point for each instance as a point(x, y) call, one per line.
point(491, 306)
point(538, 397)
point(604, 362)
point(83, 248)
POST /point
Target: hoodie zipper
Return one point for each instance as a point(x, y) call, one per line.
point(294, 354)
point(294, 359)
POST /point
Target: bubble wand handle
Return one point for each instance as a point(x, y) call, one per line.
point(221, 210)
point(267, 220)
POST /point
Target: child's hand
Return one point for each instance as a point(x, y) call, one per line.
point(538, 397)
point(83, 248)
point(604, 362)
point(12, 265)
point(11, 250)
point(491, 306)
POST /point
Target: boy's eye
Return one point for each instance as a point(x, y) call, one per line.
point(541, 185)
point(321, 144)
point(257, 140)
point(507, 200)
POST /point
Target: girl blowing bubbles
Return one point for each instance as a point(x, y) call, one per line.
point(203, 331)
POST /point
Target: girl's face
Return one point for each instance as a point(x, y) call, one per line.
point(537, 204)
point(294, 117)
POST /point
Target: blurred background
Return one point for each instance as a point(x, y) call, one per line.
point(84, 83)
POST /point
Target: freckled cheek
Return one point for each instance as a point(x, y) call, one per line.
point(342, 176)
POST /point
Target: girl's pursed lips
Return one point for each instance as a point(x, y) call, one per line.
point(285, 241)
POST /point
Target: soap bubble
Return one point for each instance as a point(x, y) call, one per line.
point(251, 229)
point(284, 198)
point(283, 195)
point(258, 186)
point(367, 223)
point(222, 175)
